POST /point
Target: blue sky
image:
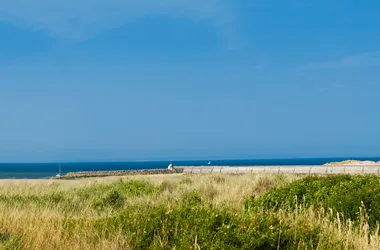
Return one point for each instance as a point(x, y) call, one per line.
point(178, 79)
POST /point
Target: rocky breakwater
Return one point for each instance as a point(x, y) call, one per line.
point(84, 174)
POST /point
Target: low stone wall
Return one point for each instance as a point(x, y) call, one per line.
point(121, 173)
point(337, 169)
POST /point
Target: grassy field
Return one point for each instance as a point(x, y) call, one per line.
point(191, 212)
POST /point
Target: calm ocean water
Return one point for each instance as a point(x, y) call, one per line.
point(47, 170)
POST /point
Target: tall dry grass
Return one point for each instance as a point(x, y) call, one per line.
point(45, 214)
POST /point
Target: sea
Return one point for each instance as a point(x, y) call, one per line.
point(50, 170)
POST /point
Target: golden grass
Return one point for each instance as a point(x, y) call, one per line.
point(45, 228)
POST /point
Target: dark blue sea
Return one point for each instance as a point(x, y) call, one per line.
point(48, 170)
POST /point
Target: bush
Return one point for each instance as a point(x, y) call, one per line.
point(73, 200)
point(219, 179)
point(186, 180)
point(194, 225)
point(344, 194)
point(129, 188)
point(7, 241)
point(112, 199)
point(116, 194)
point(167, 186)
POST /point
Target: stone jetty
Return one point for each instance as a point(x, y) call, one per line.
point(84, 174)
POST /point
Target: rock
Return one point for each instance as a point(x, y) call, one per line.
point(121, 172)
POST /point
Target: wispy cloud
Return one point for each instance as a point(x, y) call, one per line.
point(78, 20)
point(372, 58)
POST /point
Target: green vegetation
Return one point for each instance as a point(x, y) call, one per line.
point(352, 197)
point(97, 197)
point(7, 241)
point(192, 212)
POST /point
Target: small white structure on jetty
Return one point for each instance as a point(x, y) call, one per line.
point(170, 167)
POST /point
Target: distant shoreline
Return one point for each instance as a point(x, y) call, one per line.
point(328, 168)
point(50, 170)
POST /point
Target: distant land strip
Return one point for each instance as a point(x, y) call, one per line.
point(306, 169)
point(317, 169)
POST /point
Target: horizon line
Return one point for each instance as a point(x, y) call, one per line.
point(182, 160)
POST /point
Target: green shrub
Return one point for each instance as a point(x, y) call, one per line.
point(191, 198)
point(344, 194)
point(112, 199)
point(128, 188)
point(116, 194)
point(167, 185)
point(189, 226)
point(186, 180)
point(100, 196)
point(44, 200)
point(219, 179)
point(8, 241)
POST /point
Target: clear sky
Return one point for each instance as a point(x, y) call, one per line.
point(178, 79)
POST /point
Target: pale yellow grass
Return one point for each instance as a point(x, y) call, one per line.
point(45, 228)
